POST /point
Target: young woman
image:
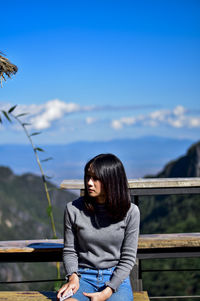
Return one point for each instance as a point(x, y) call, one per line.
point(101, 235)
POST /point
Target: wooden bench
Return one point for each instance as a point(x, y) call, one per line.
point(40, 296)
point(148, 186)
point(149, 246)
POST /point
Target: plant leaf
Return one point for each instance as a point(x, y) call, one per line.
point(0, 120)
point(36, 133)
point(12, 109)
point(47, 159)
point(6, 115)
point(57, 285)
point(25, 124)
point(53, 189)
point(38, 149)
point(48, 177)
point(49, 210)
point(22, 114)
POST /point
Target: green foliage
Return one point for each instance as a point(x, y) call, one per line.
point(23, 217)
point(171, 214)
point(8, 115)
point(49, 210)
point(23, 205)
point(172, 283)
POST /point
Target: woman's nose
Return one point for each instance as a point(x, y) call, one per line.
point(90, 182)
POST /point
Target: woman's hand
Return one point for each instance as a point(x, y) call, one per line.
point(72, 284)
point(100, 296)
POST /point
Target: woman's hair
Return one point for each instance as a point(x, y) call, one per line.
point(109, 170)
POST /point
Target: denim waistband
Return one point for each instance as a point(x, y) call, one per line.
point(107, 271)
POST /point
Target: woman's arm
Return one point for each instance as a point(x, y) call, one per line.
point(128, 250)
point(70, 256)
point(72, 284)
point(100, 296)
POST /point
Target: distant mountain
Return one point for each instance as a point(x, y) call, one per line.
point(173, 214)
point(23, 215)
point(141, 156)
point(23, 206)
point(176, 213)
point(23, 209)
point(185, 166)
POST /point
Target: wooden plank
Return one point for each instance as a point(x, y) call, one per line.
point(149, 246)
point(163, 241)
point(29, 246)
point(146, 241)
point(140, 296)
point(164, 191)
point(143, 183)
point(27, 295)
point(169, 253)
point(40, 296)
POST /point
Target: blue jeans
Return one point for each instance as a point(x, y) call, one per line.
point(93, 281)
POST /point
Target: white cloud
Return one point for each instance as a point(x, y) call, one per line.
point(179, 110)
point(118, 124)
point(194, 122)
point(53, 110)
point(42, 116)
point(90, 120)
point(176, 118)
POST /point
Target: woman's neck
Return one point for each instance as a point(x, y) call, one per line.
point(100, 200)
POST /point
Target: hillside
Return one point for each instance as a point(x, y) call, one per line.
point(173, 214)
point(23, 216)
point(185, 166)
point(23, 205)
point(69, 159)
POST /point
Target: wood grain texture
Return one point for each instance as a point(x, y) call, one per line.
point(40, 296)
point(27, 295)
point(143, 183)
point(146, 241)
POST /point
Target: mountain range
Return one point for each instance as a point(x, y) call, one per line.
point(23, 215)
point(141, 156)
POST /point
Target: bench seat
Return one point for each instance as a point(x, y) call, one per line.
point(42, 296)
point(149, 246)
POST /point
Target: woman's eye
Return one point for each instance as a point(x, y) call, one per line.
point(93, 178)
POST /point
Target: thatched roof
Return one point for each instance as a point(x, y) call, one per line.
point(7, 69)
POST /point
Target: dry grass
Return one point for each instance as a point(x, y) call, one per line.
point(7, 69)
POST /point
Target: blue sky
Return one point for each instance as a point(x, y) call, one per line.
point(100, 70)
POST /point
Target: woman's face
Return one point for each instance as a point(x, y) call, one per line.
point(94, 187)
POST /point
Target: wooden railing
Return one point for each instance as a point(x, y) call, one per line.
point(157, 245)
point(150, 246)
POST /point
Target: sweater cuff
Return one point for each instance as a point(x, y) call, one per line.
point(70, 273)
point(114, 283)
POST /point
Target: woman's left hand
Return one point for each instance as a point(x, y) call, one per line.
point(100, 296)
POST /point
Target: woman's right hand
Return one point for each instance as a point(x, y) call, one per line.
point(72, 284)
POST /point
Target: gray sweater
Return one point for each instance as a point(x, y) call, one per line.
point(97, 243)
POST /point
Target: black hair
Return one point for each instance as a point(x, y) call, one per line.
point(110, 171)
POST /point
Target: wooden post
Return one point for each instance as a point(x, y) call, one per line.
point(136, 277)
point(82, 192)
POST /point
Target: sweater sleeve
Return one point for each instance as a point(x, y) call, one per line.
point(128, 251)
point(70, 258)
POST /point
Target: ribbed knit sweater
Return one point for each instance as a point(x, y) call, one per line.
point(95, 242)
